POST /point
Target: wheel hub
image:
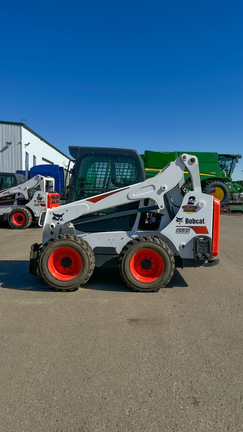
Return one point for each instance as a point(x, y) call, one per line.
point(66, 262)
point(146, 264)
point(217, 192)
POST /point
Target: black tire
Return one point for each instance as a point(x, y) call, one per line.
point(20, 218)
point(218, 189)
point(66, 262)
point(146, 264)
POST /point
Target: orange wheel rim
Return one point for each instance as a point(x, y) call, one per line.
point(146, 265)
point(65, 263)
point(18, 218)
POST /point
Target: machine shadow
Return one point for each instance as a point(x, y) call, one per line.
point(15, 275)
point(4, 225)
point(109, 280)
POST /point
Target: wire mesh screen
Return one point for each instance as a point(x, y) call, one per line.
point(102, 174)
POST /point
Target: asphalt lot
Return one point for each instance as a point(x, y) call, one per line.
point(105, 359)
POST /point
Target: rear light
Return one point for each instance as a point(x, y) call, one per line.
point(53, 200)
point(42, 218)
point(216, 226)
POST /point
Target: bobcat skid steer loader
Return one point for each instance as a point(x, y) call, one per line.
point(20, 205)
point(146, 229)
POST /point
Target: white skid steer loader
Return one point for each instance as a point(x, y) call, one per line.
point(23, 203)
point(147, 229)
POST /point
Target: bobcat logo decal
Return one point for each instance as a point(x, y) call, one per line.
point(58, 217)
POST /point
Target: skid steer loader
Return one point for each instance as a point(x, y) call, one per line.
point(23, 203)
point(146, 228)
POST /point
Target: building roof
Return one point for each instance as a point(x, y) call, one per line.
point(34, 133)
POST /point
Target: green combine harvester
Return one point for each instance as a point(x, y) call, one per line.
point(215, 172)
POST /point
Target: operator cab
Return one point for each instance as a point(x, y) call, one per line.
point(9, 180)
point(100, 170)
point(228, 162)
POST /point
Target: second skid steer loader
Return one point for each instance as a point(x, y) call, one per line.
point(147, 229)
point(21, 204)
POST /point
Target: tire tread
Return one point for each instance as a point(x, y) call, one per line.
point(151, 240)
point(28, 214)
point(217, 183)
point(85, 246)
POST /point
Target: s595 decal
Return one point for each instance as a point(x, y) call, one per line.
point(182, 230)
point(196, 229)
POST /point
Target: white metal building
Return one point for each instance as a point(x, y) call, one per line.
point(21, 148)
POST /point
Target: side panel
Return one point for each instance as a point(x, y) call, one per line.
point(179, 234)
point(10, 148)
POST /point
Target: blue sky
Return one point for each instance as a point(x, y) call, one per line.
point(158, 75)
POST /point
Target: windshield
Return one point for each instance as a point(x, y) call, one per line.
point(227, 164)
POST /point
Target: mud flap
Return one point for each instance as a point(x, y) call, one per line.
point(33, 264)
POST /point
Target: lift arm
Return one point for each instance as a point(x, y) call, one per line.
point(23, 188)
point(154, 188)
